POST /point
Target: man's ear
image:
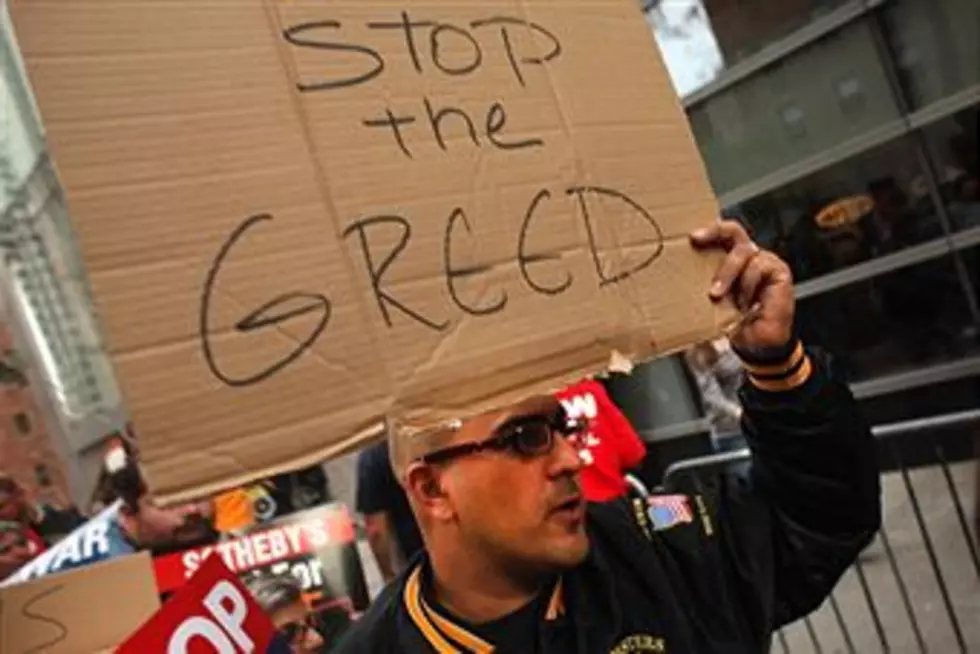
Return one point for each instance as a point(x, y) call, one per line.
point(424, 485)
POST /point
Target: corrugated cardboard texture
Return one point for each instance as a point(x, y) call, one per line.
point(237, 183)
point(92, 609)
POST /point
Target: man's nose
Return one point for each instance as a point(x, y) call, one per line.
point(565, 458)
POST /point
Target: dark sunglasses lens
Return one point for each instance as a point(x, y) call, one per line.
point(533, 438)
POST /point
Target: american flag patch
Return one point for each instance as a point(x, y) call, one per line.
point(667, 511)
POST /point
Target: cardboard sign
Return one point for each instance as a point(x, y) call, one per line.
point(214, 612)
point(97, 540)
point(88, 610)
point(299, 216)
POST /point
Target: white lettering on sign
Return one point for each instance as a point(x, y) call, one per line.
point(96, 540)
point(309, 573)
point(198, 627)
point(224, 630)
point(584, 406)
point(581, 406)
point(262, 548)
point(69, 552)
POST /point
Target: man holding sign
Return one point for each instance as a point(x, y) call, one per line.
point(517, 562)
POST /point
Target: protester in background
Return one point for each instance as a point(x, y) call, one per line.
point(298, 490)
point(230, 512)
point(516, 561)
point(282, 600)
point(391, 530)
point(43, 524)
point(160, 530)
point(719, 373)
point(16, 549)
point(609, 446)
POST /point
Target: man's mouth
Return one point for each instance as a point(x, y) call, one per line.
point(573, 507)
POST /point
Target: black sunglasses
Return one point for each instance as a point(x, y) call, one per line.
point(527, 437)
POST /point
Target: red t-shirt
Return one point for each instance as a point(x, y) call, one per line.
point(610, 445)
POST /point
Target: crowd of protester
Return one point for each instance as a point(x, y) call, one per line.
point(608, 446)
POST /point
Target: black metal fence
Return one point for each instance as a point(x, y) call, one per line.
point(916, 588)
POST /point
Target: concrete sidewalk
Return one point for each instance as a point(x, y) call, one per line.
point(913, 563)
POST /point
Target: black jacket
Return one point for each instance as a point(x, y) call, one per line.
point(714, 568)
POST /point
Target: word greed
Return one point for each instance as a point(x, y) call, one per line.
point(373, 229)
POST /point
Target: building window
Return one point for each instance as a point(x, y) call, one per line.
point(22, 423)
point(850, 94)
point(793, 120)
point(936, 47)
point(954, 144)
point(846, 214)
point(801, 109)
point(909, 318)
point(42, 475)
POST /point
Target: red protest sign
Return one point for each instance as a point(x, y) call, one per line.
point(212, 612)
point(317, 547)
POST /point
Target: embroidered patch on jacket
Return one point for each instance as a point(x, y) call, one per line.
point(668, 511)
point(640, 644)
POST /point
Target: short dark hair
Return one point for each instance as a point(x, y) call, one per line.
point(127, 484)
point(274, 593)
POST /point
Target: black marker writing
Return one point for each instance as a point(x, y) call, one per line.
point(293, 36)
point(27, 611)
point(265, 316)
point(383, 297)
point(580, 192)
point(407, 25)
point(452, 273)
point(504, 22)
point(476, 54)
point(523, 259)
point(496, 120)
point(440, 34)
point(436, 119)
point(395, 123)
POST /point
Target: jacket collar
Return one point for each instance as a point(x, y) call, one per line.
point(448, 637)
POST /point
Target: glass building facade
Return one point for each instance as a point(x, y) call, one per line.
point(845, 135)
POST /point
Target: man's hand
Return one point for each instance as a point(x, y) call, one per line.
point(759, 282)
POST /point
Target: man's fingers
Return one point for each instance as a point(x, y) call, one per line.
point(726, 233)
point(732, 268)
point(747, 286)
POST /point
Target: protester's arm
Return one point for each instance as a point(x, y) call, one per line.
point(811, 502)
point(373, 503)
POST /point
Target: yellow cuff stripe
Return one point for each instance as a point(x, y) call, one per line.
point(795, 380)
point(775, 370)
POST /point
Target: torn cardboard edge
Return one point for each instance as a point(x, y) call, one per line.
point(108, 131)
point(79, 610)
point(727, 317)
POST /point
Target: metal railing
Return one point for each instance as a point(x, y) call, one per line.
point(916, 588)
